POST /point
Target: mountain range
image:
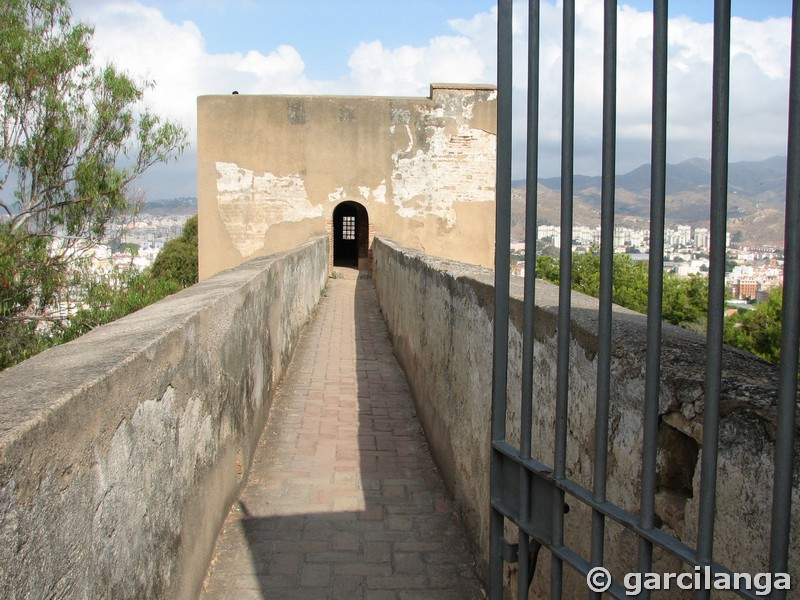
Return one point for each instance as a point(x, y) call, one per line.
point(186, 205)
point(756, 193)
point(756, 196)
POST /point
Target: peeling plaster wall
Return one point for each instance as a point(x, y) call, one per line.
point(440, 314)
point(249, 203)
point(271, 169)
point(122, 451)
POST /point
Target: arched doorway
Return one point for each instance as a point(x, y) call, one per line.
point(350, 235)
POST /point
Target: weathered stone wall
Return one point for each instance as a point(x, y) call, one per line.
point(271, 170)
point(440, 317)
point(121, 452)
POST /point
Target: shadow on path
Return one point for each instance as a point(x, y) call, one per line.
point(343, 499)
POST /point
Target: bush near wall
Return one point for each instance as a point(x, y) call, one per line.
point(104, 297)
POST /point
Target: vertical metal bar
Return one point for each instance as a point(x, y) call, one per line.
point(528, 319)
point(606, 278)
point(565, 284)
point(716, 282)
point(655, 282)
point(495, 547)
point(790, 327)
point(502, 276)
point(503, 220)
point(531, 199)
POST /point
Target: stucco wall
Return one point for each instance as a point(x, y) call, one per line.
point(440, 316)
point(121, 452)
point(271, 170)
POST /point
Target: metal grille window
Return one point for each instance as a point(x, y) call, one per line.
point(348, 228)
point(527, 496)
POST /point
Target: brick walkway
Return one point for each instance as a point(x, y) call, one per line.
point(343, 499)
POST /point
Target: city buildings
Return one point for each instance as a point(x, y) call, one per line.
point(753, 270)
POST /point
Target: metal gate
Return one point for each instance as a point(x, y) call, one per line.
point(530, 496)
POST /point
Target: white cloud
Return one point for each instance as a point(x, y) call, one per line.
point(174, 56)
point(140, 40)
point(758, 97)
point(409, 70)
point(380, 69)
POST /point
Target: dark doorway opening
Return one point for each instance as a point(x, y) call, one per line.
point(350, 235)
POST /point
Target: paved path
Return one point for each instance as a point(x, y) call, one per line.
point(343, 500)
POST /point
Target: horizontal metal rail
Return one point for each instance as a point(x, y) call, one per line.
point(609, 510)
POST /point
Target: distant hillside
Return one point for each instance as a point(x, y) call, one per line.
point(747, 177)
point(173, 206)
point(755, 201)
point(756, 193)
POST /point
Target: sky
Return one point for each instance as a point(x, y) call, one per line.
point(189, 48)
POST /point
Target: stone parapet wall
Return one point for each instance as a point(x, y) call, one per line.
point(440, 315)
point(121, 452)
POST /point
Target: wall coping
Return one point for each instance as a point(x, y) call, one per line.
point(433, 87)
point(749, 383)
point(34, 390)
point(122, 451)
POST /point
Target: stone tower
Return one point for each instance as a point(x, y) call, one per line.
point(274, 171)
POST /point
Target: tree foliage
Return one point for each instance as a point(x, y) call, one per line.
point(758, 330)
point(684, 299)
point(177, 260)
point(108, 297)
point(73, 139)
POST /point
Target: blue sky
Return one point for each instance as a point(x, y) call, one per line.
point(703, 11)
point(398, 47)
point(324, 32)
